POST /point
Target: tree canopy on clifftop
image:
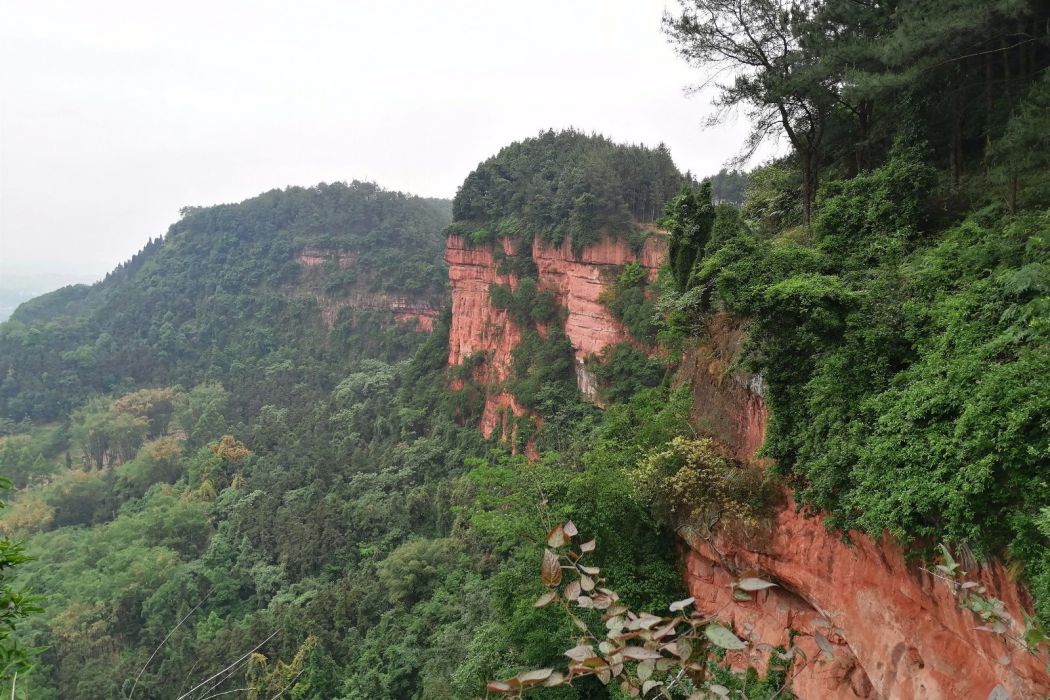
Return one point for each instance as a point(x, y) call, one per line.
point(566, 184)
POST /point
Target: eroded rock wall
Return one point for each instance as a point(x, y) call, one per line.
point(314, 263)
point(479, 329)
point(576, 282)
point(873, 624)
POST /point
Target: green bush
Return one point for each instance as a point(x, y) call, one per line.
point(693, 482)
point(623, 370)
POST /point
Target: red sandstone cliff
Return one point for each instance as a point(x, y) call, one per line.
point(872, 623)
point(313, 263)
point(893, 631)
point(576, 282)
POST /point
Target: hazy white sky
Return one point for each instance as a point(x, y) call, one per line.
point(116, 113)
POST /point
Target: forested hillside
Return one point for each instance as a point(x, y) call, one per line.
point(895, 266)
point(226, 293)
point(212, 471)
point(244, 469)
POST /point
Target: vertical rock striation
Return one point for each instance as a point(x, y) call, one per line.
point(871, 622)
point(576, 282)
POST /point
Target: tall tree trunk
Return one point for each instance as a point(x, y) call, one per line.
point(807, 210)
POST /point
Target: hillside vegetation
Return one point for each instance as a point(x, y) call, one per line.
point(203, 467)
point(223, 295)
point(566, 185)
point(226, 494)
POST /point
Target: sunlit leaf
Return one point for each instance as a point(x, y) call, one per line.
point(639, 653)
point(581, 652)
point(681, 604)
point(545, 599)
point(667, 629)
point(572, 591)
point(588, 546)
point(554, 679)
point(723, 637)
point(570, 529)
point(754, 584)
point(950, 566)
point(533, 677)
point(587, 583)
point(825, 645)
point(556, 537)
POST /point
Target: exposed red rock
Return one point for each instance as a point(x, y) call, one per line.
point(405, 310)
point(312, 256)
point(477, 326)
point(892, 630)
point(578, 283)
point(872, 623)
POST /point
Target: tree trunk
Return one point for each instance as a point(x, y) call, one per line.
point(809, 166)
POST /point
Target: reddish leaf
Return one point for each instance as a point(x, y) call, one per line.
point(572, 591)
point(581, 653)
point(550, 572)
point(639, 653)
point(570, 529)
point(556, 537)
point(554, 679)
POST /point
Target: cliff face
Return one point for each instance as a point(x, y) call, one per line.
point(314, 264)
point(872, 623)
point(576, 282)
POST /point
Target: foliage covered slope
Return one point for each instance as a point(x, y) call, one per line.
point(222, 295)
point(222, 468)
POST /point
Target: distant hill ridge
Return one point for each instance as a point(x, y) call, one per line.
point(228, 283)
